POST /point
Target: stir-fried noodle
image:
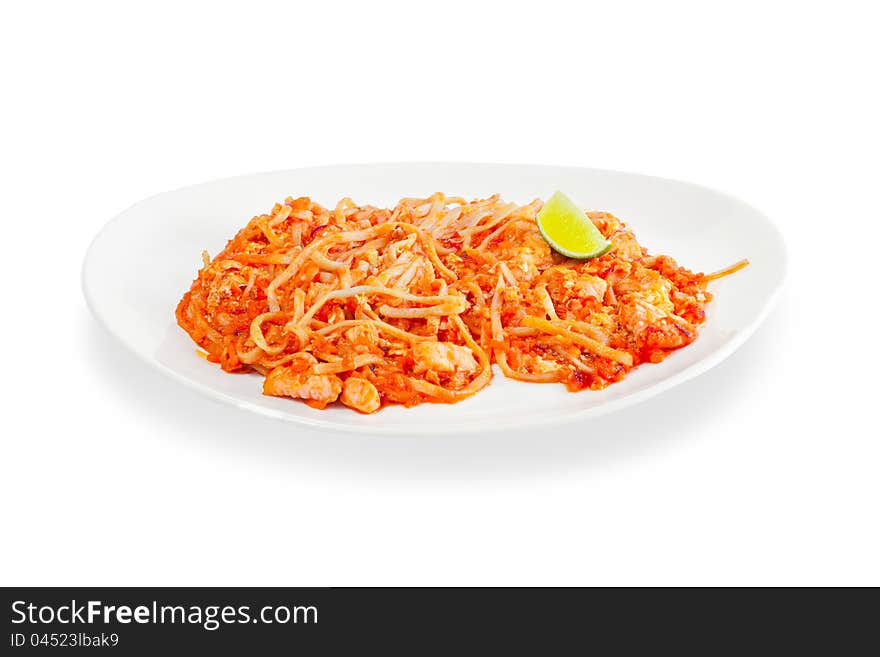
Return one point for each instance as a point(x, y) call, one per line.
point(414, 304)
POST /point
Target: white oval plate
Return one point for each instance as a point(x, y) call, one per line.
point(141, 263)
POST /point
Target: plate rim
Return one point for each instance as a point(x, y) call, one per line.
point(564, 418)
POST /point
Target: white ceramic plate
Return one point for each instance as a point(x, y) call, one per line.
point(141, 263)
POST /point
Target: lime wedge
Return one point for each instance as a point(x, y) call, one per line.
point(569, 230)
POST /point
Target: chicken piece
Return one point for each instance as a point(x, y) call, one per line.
point(442, 357)
point(649, 316)
point(363, 338)
point(523, 263)
point(565, 283)
point(590, 287)
point(317, 390)
point(559, 281)
point(648, 286)
point(636, 314)
point(226, 285)
point(360, 395)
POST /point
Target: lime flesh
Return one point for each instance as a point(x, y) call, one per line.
point(569, 230)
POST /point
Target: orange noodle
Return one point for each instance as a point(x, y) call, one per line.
point(414, 304)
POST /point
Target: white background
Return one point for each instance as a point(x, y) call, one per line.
point(763, 471)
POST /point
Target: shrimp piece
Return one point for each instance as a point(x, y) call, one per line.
point(360, 395)
point(317, 390)
point(442, 357)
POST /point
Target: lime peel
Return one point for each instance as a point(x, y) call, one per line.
point(568, 229)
